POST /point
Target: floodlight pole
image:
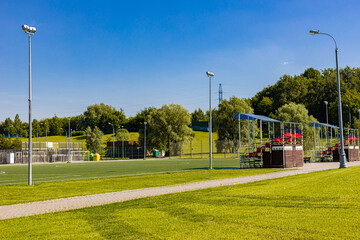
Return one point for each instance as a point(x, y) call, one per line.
point(30, 120)
point(210, 75)
point(343, 163)
point(30, 31)
point(145, 140)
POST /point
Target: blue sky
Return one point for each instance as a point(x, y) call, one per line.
point(137, 54)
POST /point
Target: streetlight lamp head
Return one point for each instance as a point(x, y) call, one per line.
point(326, 102)
point(209, 74)
point(313, 32)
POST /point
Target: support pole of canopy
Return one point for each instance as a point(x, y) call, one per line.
point(314, 144)
point(273, 130)
point(253, 132)
point(239, 141)
point(261, 133)
point(249, 135)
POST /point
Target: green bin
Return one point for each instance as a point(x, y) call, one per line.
point(91, 157)
point(155, 153)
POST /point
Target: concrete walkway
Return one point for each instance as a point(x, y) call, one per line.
point(63, 204)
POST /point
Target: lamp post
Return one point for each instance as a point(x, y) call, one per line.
point(210, 75)
point(145, 140)
point(343, 163)
point(122, 143)
point(30, 31)
point(113, 148)
point(349, 115)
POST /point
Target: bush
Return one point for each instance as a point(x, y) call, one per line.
point(78, 133)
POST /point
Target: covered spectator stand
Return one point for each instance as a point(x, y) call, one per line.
point(351, 146)
point(326, 142)
point(270, 142)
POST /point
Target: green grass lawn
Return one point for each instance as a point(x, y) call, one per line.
point(50, 190)
point(323, 205)
point(17, 174)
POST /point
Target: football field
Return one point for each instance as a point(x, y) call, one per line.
point(17, 174)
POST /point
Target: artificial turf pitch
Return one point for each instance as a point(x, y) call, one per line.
point(17, 174)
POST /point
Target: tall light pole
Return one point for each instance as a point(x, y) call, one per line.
point(113, 138)
point(145, 140)
point(349, 115)
point(122, 143)
point(210, 75)
point(343, 163)
point(30, 31)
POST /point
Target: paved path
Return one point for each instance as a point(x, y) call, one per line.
point(63, 204)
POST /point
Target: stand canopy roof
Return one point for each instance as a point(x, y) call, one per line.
point(317, 124)
point(247, 116)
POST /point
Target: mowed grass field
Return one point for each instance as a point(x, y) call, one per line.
point(17, 174)
point(322, 205)
point(13, 194)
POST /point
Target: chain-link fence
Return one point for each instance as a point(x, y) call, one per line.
point(200, 149)
point(44, 156)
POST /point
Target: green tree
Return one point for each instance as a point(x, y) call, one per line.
point(170, 123)
point(8, 127)
point(227, 126)
point(94, 139)
point(17, 125)
point(293, 112)
point(55, 126)
point(198, 115)
point(136, 124)
point(100, 115)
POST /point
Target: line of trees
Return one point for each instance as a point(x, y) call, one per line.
point(293, 98)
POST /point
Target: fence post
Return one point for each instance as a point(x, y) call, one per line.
point(180, 150)
point(191, 148)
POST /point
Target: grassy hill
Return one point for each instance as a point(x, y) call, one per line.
point(134, 136)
